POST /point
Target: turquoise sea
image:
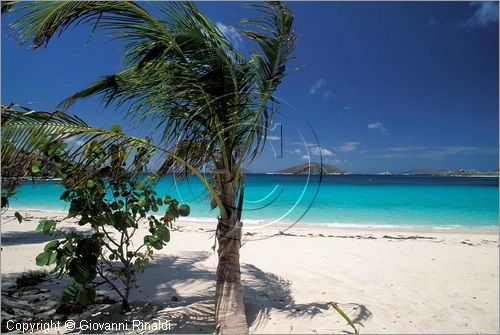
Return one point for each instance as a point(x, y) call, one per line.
point(350, 200)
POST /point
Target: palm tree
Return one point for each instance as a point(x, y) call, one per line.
point(210, 104)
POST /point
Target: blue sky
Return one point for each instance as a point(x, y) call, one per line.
point(381, 86)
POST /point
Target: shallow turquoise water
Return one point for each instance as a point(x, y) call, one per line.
point(442, 202)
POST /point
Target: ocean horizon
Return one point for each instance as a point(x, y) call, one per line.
point(355, 200)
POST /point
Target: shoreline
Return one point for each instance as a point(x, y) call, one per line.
point(251, 225)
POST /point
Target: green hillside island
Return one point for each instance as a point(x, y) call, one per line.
point(312, 168)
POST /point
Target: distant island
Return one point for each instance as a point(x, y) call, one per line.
point(311, 168)
point(315, 168)
point(444, 172)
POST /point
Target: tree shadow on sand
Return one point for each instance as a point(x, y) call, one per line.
point(174, 288)
point(31, 237)
point(181, 289)
point(265, 291)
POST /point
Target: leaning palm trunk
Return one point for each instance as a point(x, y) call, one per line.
point(229, 308)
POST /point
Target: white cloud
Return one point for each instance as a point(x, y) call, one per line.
point(319, 88)
point(348, 146)
point(314, 149)
point(486, 14)
point(405, 149)
point(274, 138)
point(305, 157)
point(377, 125)
point(294, 151)
point(231, 33)
point(321, 151)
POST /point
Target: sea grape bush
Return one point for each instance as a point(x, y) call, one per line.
point(114, 202)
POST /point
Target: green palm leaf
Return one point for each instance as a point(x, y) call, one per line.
point(183, 75)
point(29, 135)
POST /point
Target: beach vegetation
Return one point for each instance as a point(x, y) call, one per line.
point(339, 310)
point(112, 199)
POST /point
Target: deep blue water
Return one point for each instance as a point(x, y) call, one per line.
point(445, 202)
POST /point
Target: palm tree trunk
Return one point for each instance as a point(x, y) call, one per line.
point(229, 308)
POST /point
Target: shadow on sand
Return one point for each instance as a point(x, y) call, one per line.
point(24, 237)
point(266, 291)
point(180, 289)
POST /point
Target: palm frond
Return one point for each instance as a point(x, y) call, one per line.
point(30, 135)
point(37, 22)
point(273, 31)
point(274, 34)
point(183, 76)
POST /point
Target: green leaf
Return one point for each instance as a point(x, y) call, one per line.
point(90, 183)
point(44, 258)
point(52, 245)
point(153, 242)
point(184, 210)
point(163, 234)
point(83, 273)
point(85, 296)
point(36, 167)
point(46, 226)
point(65, 195)
point(173, 210)
point(157, 245)
point(53, 258)
point(115, 128)
point(147, 239)
point(18, 216)
point(347, 318)
point(69, 293)
point(154, 208)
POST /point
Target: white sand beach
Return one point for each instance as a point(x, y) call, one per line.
point(388, 281)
